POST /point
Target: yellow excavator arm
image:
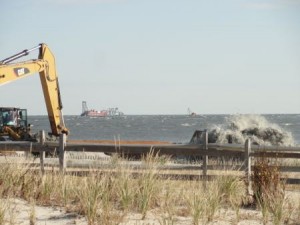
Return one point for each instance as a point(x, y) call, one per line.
point(45, 66)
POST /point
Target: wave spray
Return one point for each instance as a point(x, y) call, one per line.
point(240, 127)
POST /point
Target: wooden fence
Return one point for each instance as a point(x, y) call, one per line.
point(198, 146)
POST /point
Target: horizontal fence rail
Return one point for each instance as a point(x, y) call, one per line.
point(171, 149)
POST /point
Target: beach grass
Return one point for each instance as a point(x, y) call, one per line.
point(112, 197)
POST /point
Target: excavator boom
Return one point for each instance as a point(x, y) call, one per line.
point(12, 72)
point(45, 66)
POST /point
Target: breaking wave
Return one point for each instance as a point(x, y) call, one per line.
point(240, 127)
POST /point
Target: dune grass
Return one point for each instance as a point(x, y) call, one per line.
point(110, 197)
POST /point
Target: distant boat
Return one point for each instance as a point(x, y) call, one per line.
point(191, 113)
point(111, 112)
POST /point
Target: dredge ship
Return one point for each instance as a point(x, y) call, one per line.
point(110, 112)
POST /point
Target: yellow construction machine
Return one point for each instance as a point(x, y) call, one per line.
point(13, 121)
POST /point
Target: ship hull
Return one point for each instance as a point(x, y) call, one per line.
point(93, 113)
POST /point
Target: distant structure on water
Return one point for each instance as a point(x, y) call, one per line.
point(191, 113)
point(110, 112)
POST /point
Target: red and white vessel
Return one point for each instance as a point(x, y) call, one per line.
point(96, 113)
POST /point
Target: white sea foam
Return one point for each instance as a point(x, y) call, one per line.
point(240, 127)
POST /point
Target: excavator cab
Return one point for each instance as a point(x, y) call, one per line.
point(13, 124)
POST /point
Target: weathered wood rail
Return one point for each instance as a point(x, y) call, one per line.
point(197, 147)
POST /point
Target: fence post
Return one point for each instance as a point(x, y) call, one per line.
point(41, 151)
point(28, 153)
point(205, 157)
point(61, 152)
point(248, 165)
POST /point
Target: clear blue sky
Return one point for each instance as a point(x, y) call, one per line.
point(159, 56)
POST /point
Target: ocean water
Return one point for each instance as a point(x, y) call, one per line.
point(282, 129)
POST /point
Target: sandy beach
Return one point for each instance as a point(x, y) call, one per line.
point(20, 211)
